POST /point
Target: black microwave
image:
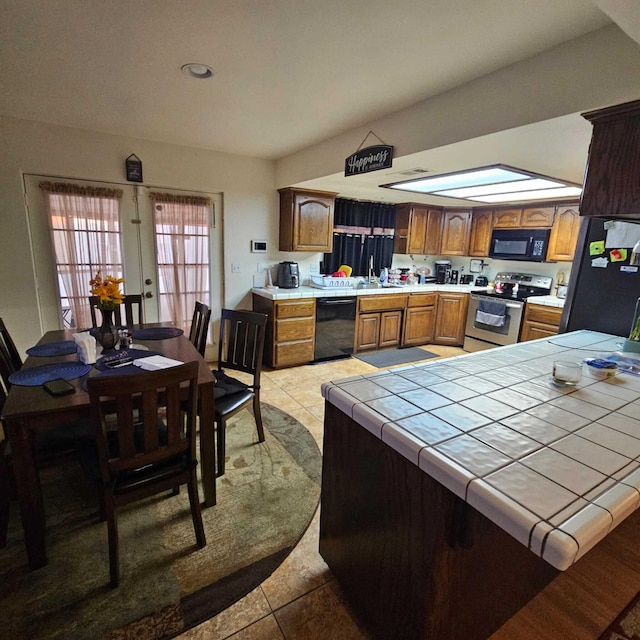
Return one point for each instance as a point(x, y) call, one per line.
point(519, 244)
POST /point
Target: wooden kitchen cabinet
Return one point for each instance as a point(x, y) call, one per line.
point(306, 220)
point(540, 321)
point(612, 184)
point(290, 334)
point(507, 218)
point(564, 234)
point(419, 319)
point(537, 217)
point(379, 321)
point(451, 317)
point(480, 235)
point(455, 233)
point(418, 229)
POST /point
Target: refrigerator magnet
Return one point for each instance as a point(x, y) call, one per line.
point(601, 262)
point(618, 255)
point(596, 248)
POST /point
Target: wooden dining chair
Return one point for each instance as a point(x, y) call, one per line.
point(132, 306)
point(6, 480)
point(153, 446)
point(200, 327)
point(240, 348)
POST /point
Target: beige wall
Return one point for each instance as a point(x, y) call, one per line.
point(250, 203)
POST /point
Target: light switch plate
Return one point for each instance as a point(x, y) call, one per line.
point(235, 267)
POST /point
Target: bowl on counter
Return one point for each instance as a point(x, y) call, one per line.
point(600, 368)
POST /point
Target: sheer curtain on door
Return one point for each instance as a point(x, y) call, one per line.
point(85, 231)
point(181, 225)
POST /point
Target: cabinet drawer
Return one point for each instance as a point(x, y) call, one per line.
point(295, 309)
point(381, 303)
point(545, 315)
point(422, 299)
point(293, 353)
point(294, 329)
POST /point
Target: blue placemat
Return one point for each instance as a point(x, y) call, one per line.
point(157, 333)
point(35, 376)
point(116, 356)
point(53, 349)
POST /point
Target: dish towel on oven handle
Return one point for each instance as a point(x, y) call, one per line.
point(491, 312)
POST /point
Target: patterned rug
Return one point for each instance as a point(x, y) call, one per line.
point(265, 502)
point(627, 625)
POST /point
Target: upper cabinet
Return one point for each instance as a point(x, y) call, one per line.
point(418, 229)
point(564, 234)
point(306, 220)
point(507, 218)
point(481, 227)
point(455, 233)
point(612, 181)
point(537, 217)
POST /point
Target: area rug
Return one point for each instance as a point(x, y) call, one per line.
point(265, 502)
point(627, 625)
point(391, 357)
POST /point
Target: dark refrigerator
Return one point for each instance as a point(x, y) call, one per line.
point(602, 298)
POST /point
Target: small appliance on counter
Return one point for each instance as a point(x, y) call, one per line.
point(453, 277)
point(443, 270)
point(482, 281)
point(466, 278)
point(288, 275)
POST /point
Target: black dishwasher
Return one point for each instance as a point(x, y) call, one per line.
point(335, 327)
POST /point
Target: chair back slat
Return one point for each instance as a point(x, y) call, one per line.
point(143, 400)
point(10, 360)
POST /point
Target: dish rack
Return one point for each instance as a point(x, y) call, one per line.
point(331, 282)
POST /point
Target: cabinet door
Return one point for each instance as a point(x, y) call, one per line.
point(481, 226)
point(534, 330)
point(507, 218)
point(564, 234)
point(367, 331)
point(417, 230)
point(433, 235)
point(419, 325)
point(455, 233)
point(539, 217)
point(390, 325)
point(451, 316)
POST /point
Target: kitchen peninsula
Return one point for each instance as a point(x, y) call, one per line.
point(454, 491)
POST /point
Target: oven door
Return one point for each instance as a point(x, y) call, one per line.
point(505, 334)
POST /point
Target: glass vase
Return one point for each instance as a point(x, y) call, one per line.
point(632, 344)
point(107, 332)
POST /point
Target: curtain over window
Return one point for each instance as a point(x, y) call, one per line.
point(362, 230)
point(182, 244)
point(85, 231)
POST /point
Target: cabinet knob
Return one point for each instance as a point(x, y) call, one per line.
point(148, 294)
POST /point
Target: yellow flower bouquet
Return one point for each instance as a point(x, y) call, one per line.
point(108, 291)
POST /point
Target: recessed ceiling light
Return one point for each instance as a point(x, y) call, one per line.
point(197, 70)
point(497, 183)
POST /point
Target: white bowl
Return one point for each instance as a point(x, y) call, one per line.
point(601, 369)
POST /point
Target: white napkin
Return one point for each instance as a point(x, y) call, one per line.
point(85, 346)
point(154, 363)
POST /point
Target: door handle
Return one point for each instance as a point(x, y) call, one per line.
point(148, 294)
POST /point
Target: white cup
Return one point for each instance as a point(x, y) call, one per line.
point(566, 372)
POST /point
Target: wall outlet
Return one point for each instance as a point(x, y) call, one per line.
point(235, 267)
point(314, 268)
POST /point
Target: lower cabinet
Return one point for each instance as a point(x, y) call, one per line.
point(451, 317)
point(540, 321)
point(379, 321)
point(290, 335)
point(419, 319)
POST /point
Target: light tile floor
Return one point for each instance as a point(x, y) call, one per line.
point(301, 600)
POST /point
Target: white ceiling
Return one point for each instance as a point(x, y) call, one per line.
point(288, 73)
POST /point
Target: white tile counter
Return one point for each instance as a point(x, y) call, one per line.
point(557, 468)
point(547, 301)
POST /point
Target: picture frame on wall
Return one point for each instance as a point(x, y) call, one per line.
point(133, 166)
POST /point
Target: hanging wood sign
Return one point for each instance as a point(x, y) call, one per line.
point(375, 158)
point(134, 168)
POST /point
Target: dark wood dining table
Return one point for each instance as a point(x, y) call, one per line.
point(30, 409)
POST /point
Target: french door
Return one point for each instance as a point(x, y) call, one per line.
point(138, 250)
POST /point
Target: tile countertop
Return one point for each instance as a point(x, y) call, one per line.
point(314, 292)
point(557, 468)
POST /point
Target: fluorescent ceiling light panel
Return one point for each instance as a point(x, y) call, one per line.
point(543, 194)
point(505, 187)
point(497, 183)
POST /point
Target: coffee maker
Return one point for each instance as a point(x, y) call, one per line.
point(443, 270)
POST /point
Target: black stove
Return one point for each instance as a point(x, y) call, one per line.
point(518, 286)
